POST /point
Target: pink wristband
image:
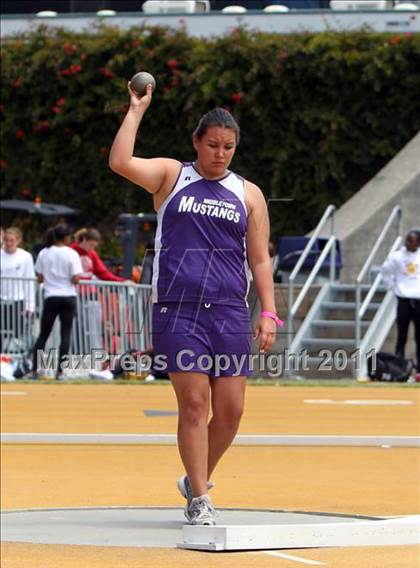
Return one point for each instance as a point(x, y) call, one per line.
point(274, 317)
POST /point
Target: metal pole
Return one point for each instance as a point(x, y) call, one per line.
point(358, 326)
point(333, 249)
point(289, 314)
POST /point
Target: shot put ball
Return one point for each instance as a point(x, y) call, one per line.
point(140, 81)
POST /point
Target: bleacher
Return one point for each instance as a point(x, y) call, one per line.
point(209, 17)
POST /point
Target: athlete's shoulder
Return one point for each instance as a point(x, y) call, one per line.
point(252, 186)
point(172, 166)
point(253, 191)
point(173, 170)
point(254, 197)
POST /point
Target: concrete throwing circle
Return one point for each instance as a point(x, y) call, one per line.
point(134, 526)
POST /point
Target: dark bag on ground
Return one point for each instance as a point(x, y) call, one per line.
point(389, 367)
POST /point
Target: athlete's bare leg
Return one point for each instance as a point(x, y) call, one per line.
point(227, 402)
point(193, 394)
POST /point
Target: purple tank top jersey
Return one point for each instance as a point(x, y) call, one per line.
point(200, 241)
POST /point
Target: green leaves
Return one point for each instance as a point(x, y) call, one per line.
point(319, 113)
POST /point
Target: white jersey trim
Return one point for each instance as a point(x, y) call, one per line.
point(236, 185)
point(187, 175)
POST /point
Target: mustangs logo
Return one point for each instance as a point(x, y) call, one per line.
point(209, 207)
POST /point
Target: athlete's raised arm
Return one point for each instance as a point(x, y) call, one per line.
point(151, 174)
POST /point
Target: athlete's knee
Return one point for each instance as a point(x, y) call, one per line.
point(230, 416)
point(194, 409)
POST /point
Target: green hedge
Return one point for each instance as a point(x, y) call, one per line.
point(320, 113)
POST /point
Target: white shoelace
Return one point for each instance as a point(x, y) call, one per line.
point(201, 509)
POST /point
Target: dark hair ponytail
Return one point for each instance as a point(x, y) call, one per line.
point(217, 117)
point(56, 234)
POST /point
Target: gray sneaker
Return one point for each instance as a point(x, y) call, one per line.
point(201, 511)
point(186, 491)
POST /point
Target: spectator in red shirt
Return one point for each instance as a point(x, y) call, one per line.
point(87, 240)
point(89, 331)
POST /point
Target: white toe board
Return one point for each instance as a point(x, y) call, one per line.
point(398, 531)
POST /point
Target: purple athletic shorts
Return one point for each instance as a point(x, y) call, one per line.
point(208, 338)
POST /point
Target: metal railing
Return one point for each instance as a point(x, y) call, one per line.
point(330, 248)
point(111, 316)
point(361, 307)
point(19, 301)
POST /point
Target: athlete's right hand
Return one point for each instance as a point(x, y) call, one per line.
point(140, 103)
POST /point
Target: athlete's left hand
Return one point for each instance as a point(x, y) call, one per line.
point(266, 333)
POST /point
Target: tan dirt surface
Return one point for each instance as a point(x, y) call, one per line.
point(365, 481)
point(117, 408)
point(16, 555)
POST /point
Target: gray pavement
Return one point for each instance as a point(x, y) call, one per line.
point(136, 526)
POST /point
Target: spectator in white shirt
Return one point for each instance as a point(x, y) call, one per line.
point(401, 273)
point(17, 288)
point(59, 268)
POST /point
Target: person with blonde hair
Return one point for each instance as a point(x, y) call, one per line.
point(17, 288)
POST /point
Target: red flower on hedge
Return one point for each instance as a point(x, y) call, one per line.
point(3, 164)
point(16, 83)
point(106, 72)
point(57, 109)
point(395, 40)
point(237, 97)
point(83, 56)
point(72, 70)
point(60, 102)
point(69, 48)
point(135, 43)
point(174, 82)
point(42, 126)
point(20, 134)
point(172, 63)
